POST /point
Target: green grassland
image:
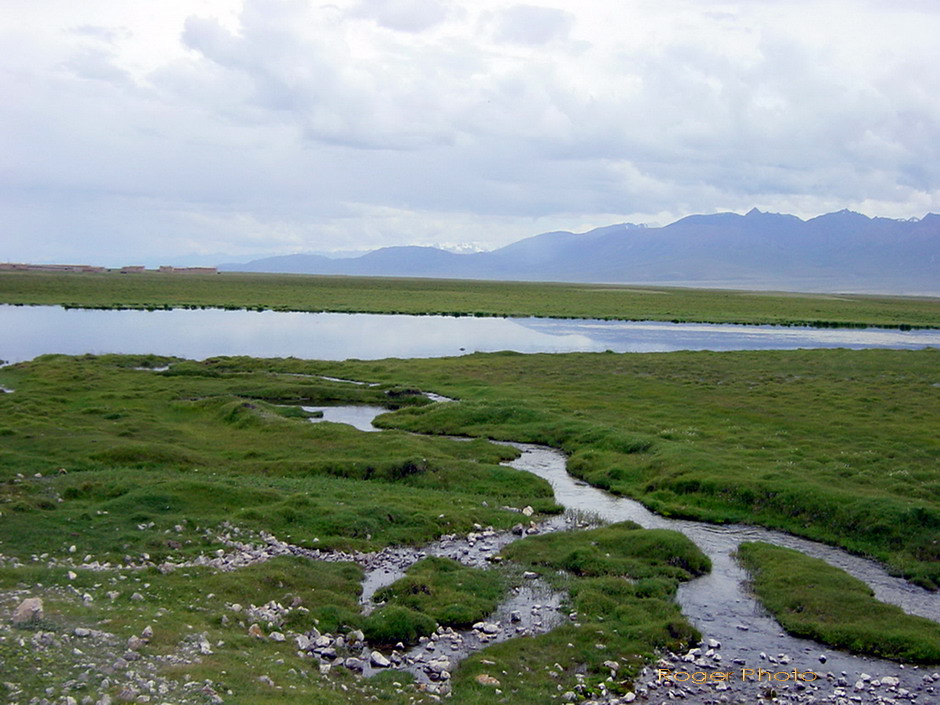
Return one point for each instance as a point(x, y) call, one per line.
point(199, 445)
point(476, 298)
point(814, 600)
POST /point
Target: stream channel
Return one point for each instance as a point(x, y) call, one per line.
point(719, 604)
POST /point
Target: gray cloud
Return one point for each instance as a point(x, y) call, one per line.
point(298, 126)
point(403, 15)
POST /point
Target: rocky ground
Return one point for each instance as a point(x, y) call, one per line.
point(775, 680)
point(85, 665)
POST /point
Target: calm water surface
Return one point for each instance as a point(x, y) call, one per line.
point(197, 334)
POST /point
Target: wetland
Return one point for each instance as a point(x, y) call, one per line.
point(195, 538)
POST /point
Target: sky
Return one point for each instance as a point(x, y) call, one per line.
point(205, 131)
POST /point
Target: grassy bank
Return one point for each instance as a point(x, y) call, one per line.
point(451, 297)
point(814, 600)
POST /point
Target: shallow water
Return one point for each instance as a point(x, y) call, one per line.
point(198, 334)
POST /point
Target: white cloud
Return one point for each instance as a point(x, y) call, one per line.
point(530, 24)
point(279, 124)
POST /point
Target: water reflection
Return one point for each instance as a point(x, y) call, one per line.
point(198, 334)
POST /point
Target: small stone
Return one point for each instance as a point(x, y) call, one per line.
point(276, 636)
point(487, 679)
point(255, 631)
point(134, 643)
point(147, 633)
point(379, 660)
point(137, 597)
point(82, 632)
point(354, 664)
point(29, 610)
point(528, 511)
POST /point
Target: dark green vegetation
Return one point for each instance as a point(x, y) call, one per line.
point(621, 579)
point(476, 298)
point(453, 595)
point(837, 445)
point(203, 443)
point(812, 599)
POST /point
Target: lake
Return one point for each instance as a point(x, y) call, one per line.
point(198, 334)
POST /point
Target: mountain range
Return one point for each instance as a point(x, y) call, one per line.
point(843, 251)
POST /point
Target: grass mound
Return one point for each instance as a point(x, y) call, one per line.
point(453, 595)
point(815, 600)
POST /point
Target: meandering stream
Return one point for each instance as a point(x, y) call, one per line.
point(719, 604)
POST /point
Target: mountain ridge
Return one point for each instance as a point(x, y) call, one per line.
point(844, 251)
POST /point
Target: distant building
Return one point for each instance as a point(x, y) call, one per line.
point(15, 266)
point(133, 269)
point(187, 270)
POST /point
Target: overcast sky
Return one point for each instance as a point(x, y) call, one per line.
point(136, 131)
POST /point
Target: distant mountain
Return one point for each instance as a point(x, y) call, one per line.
point(842, 251)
